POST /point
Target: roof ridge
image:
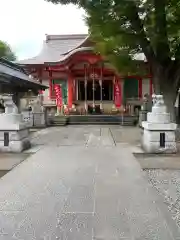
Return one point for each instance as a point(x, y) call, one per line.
point(64, 36)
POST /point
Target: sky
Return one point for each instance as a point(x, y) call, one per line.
point(24, 24)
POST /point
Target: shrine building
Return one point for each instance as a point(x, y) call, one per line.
point(87, 80)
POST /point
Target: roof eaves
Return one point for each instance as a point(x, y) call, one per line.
point(65, 57)
point(78, 46)
point(15, 73)
point(11, 64)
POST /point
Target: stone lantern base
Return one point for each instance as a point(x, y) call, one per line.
point(14, 134)
point(151, 140)
point(159, 132)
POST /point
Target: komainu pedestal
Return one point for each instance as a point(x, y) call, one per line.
point(159, 131)
point(14, 134)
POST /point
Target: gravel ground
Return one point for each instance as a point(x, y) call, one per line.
point(167, 183)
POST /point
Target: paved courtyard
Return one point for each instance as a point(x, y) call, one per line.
point(82, 182)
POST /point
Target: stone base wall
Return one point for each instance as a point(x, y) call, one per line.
point(34, 119)
point(17, 140)
point(151, 142)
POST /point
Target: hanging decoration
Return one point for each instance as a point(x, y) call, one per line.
point(94, 76)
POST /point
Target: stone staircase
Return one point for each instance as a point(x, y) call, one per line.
point(59, 121)
point(103, 119)
point(95, 120)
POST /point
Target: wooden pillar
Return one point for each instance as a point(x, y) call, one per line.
point(85, 86)
point(74, 89)
point(93, 71)
point(121, 91)
point(40, 73)
point(70, 90)
point(50, 84)
point(178, 117)
point(140, 88)
point(101, 90)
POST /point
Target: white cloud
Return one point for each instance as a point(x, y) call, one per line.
point(24, 23)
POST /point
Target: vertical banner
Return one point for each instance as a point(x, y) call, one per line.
point(117, 93)
point(58, 93)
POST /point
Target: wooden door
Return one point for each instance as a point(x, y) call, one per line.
point(131, 88)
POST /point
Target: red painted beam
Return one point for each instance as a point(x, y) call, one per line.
point(81, 71)
point(90, 58)
point(97, 71)
point(65, 68)
point(57, 68)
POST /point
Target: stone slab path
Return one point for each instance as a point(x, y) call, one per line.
point(83, 184)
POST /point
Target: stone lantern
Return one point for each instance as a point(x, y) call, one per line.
point(159, 131)
point(14, 133)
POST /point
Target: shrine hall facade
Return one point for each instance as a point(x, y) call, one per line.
point(86, 78)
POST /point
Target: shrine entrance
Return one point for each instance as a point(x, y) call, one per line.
point(94, 93)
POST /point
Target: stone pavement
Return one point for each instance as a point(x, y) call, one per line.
point(8, 161)
point(82, 183)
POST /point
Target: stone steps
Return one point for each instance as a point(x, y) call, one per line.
point(95, 120)
point(103, 119)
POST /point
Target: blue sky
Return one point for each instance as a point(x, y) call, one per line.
point(24, 23)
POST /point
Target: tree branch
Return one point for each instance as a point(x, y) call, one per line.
point(162, 48)
point(137, 25)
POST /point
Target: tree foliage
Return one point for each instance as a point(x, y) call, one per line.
point(6, 52)
point(123, 29)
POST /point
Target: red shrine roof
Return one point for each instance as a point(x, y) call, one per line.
point(57, 48)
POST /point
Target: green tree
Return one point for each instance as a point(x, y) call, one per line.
point(6, 52)
point(124, 28)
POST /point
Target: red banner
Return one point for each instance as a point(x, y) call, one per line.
point(58, 93)
point(117, 93)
